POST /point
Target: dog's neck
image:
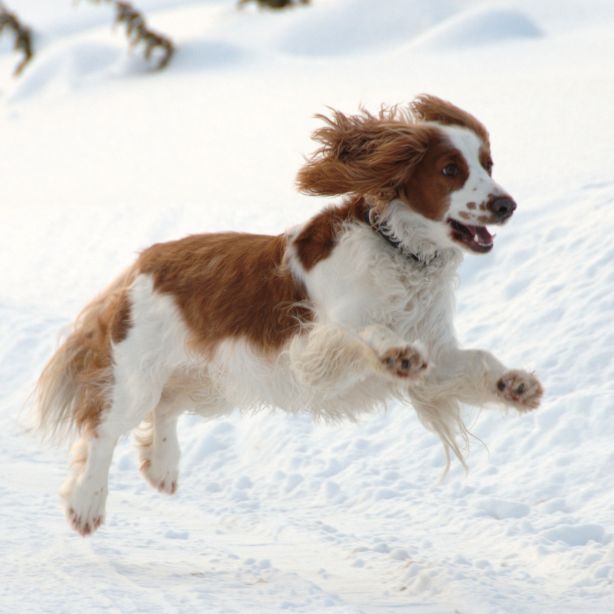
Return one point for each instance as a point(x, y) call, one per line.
point(407, 233)
point(383, 231)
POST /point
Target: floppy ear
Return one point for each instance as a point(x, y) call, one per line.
point(364, 154)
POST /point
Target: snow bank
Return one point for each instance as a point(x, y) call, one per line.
point(352, 26)
point(482, 26)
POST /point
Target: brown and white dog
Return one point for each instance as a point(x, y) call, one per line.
point(334, 317)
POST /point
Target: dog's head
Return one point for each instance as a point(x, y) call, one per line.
point(428, 164)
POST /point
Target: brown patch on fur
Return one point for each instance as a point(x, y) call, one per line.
point(230, 285)
point(369, 155)
point(433, 109)
point(319, 236)
point(428, 189)
point(121, 320)
point(71, 390)
point(464, 215)
point(485, 219)
point(486, 159)
point(482, 206)
point(471, 205)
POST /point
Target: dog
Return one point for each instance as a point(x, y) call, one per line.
point(335, 317)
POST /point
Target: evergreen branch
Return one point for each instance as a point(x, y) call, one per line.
point(137, 32)
point(22, 34)
point(275, 4)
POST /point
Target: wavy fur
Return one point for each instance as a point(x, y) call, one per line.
point(71, 392)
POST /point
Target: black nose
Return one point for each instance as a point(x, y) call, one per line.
point(502, 207)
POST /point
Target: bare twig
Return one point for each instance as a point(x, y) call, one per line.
point(23, 37)
point(138, 32)
point(275, 4)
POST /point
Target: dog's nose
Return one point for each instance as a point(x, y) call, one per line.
point(502, 207)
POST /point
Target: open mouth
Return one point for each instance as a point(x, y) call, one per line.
point(476, 238)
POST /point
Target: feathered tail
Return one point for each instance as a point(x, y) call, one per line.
point(71, 392)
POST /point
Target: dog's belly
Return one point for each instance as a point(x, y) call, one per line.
point(239, 377)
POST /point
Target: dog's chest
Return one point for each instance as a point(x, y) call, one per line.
point(364, 282)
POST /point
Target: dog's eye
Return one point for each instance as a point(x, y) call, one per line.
point(450, 170)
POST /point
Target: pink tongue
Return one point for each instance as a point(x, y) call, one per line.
point(484, 237)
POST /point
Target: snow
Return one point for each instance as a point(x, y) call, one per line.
point(486, 25)
point(100, 157)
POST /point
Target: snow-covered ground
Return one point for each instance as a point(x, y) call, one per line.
point(100, 157)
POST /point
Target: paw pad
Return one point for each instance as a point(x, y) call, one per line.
point(521, 389)
point(404, 362)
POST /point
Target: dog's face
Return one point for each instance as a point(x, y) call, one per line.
point(452, 187)
point(429, 166)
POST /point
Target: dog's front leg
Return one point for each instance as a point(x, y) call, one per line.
point(330, 355)
point(476, 377)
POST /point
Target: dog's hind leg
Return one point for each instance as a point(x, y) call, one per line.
point(159, 447)
point(139, 368)
point(85, 492)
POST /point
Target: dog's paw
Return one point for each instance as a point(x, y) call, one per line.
point(162, 476)
point(84, 523)
point(520, 389)
point(405, 362)
point(84, 506)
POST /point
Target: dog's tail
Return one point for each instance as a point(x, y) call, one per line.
point(72, 390)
